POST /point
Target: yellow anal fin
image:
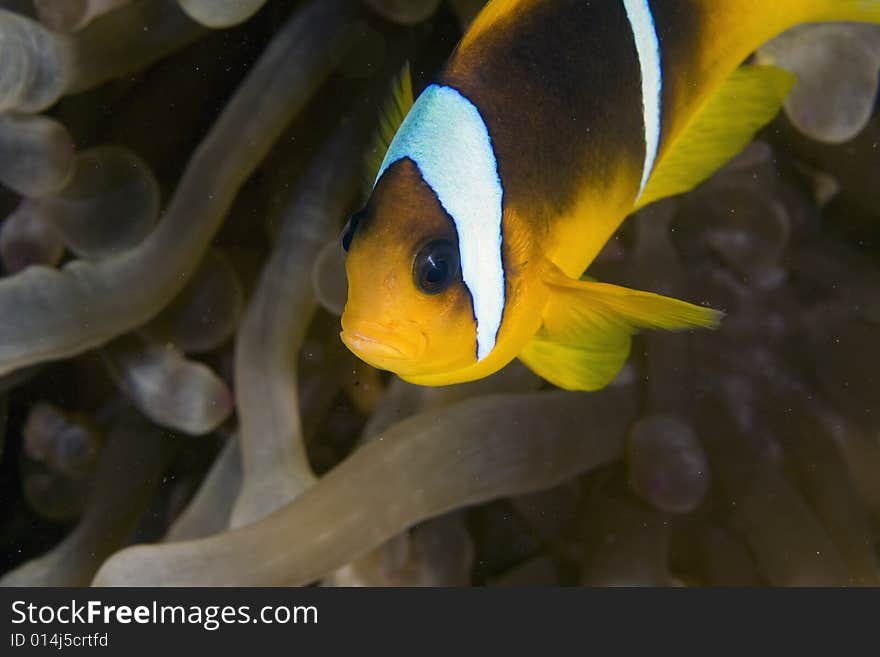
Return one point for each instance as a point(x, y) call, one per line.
point(746, 102)
point(588, 326)
point(398, 104)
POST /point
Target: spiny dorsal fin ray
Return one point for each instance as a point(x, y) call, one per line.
point(394, 110)
point(745, 103)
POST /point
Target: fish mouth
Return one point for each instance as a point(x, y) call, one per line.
point(383, 344)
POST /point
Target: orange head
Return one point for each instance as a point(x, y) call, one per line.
point(409, 310)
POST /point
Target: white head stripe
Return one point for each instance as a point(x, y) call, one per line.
point(449, 142)
point(648, 46)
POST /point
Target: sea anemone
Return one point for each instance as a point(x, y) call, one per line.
point(176, 407)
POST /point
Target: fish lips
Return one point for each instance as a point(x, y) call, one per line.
point(383, 345)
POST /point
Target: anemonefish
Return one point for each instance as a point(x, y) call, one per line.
point(551, 123)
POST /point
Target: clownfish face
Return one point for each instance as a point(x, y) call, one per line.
point(437, 289)
point(410, 309)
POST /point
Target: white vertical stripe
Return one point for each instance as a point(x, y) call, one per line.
point(648, 47)
point(449, 142)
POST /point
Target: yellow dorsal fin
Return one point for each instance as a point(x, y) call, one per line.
point(394, 111)
point(846, 10)
point(588, 326)
point(746, 102)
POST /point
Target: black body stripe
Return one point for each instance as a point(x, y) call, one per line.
point(679, 24)
point(559, 86)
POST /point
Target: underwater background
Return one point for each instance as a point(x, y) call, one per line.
point(176, 407)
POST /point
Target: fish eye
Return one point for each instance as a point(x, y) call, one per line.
point(350, 227)
point(436, 266)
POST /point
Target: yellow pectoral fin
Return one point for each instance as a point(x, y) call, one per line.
point(748, 100)
point(585, 338)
